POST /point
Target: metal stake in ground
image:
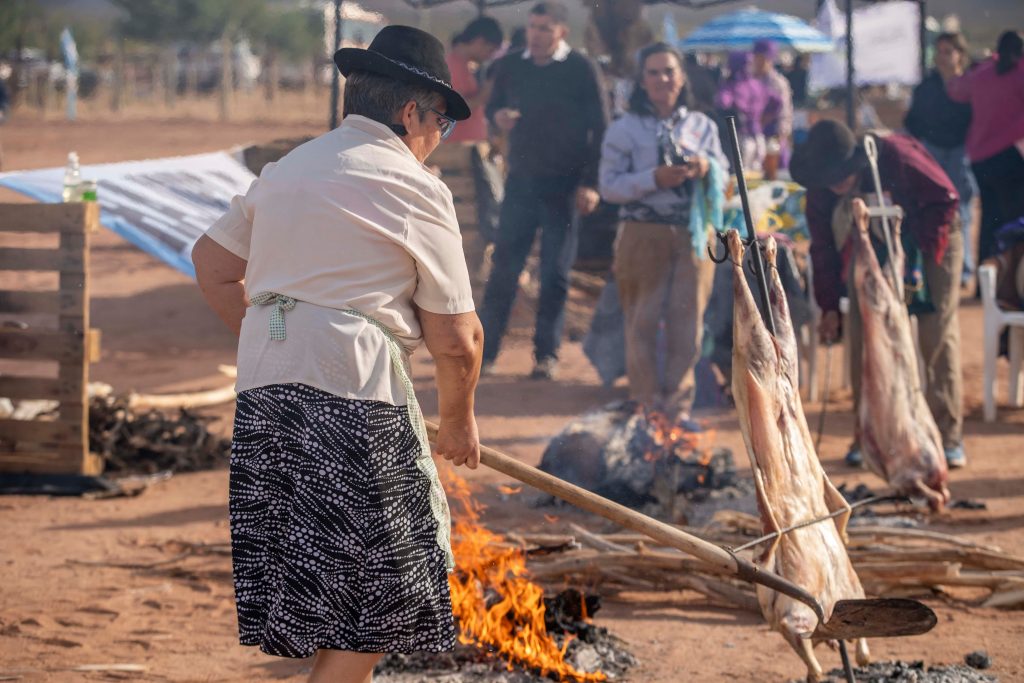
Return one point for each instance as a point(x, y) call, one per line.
point(741, 186)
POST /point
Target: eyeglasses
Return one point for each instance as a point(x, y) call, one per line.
point(445, 123)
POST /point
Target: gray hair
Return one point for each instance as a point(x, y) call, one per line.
point(380, 98)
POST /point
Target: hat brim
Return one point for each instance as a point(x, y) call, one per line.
point(349, 59)
point(804, 170)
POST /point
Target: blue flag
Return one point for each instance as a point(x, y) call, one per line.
point(70, 50)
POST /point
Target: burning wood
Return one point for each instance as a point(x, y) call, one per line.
point(639, 458)
point(498, 607)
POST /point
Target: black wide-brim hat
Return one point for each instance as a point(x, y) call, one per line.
point(409, 55)
point(830, 155)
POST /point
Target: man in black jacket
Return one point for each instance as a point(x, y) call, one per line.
point(941, 124)
point(550, 100)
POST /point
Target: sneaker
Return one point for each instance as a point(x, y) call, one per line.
point(544, 368)
point(955, 457)
point(487, 368)
point(854, 457)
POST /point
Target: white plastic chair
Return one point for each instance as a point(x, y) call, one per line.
point(995, 320)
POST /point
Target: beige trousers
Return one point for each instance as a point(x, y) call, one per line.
point(660, 278)
point(938, 338)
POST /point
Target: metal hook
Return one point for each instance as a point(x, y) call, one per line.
point(714, 257)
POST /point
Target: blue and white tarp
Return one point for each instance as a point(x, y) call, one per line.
point(741, 29)
point(160, 205)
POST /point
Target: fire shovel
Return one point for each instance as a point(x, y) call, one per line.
point(850, 619)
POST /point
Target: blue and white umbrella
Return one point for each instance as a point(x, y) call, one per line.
point(740, 30)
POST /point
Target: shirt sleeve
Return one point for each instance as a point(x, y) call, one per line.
point(619, 182)
point(233, 230)
point(825, 257)
point(435, 243)
point(711, 146)
point(915, 120)
point(596, 120)
point(499, 91)
point(933, 197)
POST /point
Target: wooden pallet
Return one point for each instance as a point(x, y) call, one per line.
point(48, 445)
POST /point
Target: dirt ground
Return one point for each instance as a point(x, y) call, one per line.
point(62, 605)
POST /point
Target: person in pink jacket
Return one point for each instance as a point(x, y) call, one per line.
point(995, 139)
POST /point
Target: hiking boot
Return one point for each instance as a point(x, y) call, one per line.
point(544, 368)
point(955, 457)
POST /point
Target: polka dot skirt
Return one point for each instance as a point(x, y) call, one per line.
point(333, 542)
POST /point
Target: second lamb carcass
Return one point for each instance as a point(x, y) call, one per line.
point(791, 485)
point(898, 435)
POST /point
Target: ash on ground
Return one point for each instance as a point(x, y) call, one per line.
point(911, 672)
point(470, 664)
point(591, 650)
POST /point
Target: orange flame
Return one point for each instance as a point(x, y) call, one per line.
point(672, 439)
point(513, 625)
point(509, 490)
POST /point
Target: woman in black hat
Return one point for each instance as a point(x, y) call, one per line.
point(339, 261)
point(833, 166)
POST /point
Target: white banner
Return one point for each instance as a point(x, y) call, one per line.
point(886, 45)
point(160, 205)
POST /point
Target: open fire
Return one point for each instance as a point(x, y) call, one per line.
point(641, 458)
point(498, 607)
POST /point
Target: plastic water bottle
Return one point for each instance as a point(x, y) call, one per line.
point(72, 178)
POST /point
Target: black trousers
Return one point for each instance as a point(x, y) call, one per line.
point(1001, 186)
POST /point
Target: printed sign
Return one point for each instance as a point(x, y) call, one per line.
point(160, 205)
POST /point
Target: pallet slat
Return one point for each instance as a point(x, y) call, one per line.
point(51, 461)
point(63, 347)
point(39, 431)
point(40, 259)
point(44, 388)
point(61, 218)
point(30, 302)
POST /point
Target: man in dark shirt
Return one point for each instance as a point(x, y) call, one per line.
point(550, 100)
point(833, 166)
point(941, 124)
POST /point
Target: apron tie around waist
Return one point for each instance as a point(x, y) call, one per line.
point(281, 304)
point(425, 463)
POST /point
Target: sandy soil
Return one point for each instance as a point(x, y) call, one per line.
point(62, 605)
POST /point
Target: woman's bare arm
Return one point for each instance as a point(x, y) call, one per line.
point(456, 343)
point(220, 274)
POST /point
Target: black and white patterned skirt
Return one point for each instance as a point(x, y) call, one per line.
point(332, 539)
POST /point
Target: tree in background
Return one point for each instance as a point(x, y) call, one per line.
point(295, 35)
point(164, 22)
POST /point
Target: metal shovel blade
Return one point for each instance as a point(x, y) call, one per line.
point(876, 618)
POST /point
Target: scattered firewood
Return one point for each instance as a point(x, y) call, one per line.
point(890, 562)
point(132, 441)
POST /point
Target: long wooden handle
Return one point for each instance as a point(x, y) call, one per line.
point(631, 519)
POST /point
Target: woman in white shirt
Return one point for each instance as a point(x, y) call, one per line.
point(663, 162)
point(338, 262)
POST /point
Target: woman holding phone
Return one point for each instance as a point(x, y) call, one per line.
point(663, 163)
